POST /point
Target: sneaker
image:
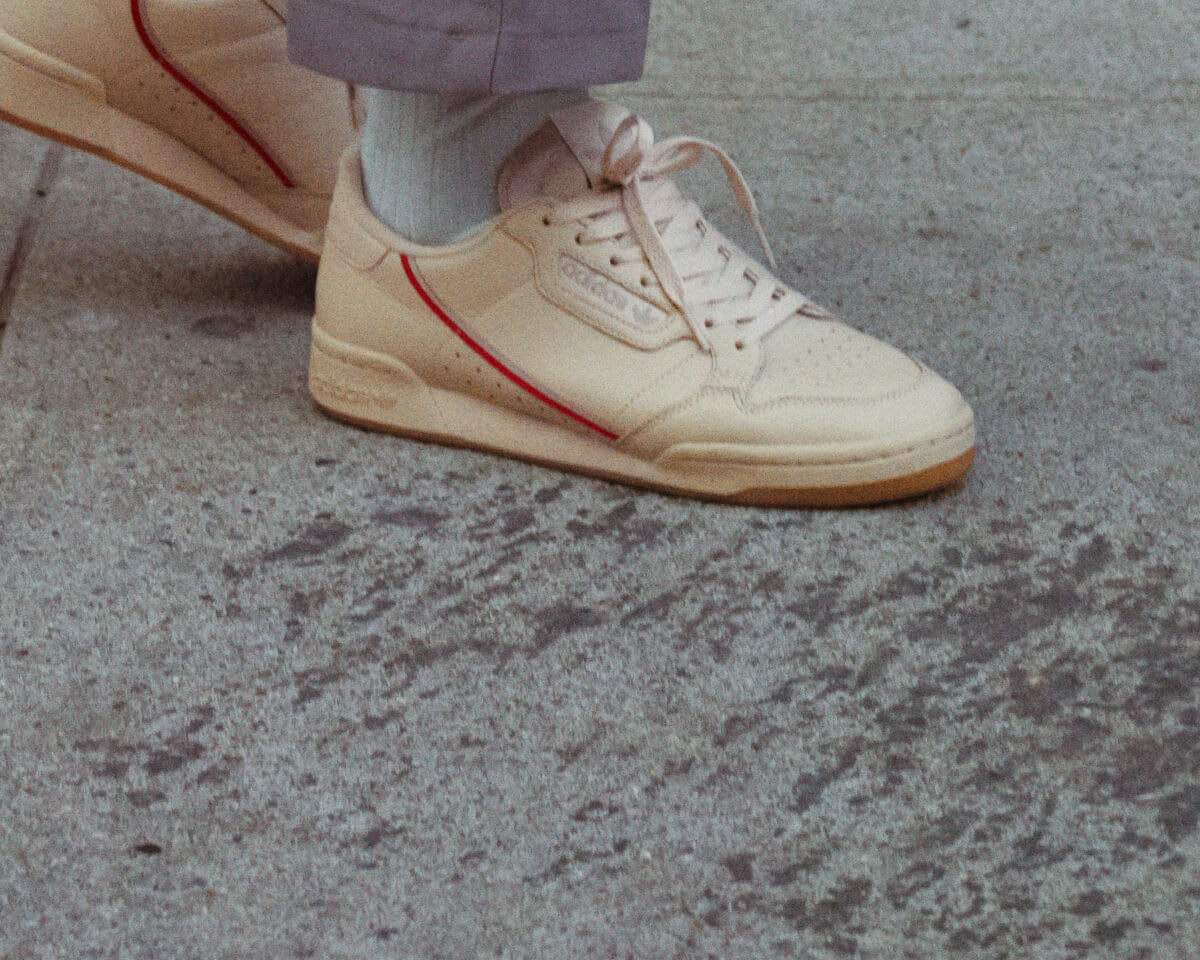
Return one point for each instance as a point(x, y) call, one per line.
point(600, 324)
point(197, 95)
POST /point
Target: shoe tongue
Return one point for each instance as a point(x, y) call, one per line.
point(563, 158)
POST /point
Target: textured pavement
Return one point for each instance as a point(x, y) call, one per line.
point(274, 687)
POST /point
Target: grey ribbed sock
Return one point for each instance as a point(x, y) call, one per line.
point(430, 160)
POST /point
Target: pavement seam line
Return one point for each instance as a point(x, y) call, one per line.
point(27, 232)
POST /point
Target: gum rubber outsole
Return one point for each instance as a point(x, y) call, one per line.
point(352, 386)
point(56, 110)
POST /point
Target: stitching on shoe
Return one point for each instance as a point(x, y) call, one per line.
point(652, 386)
point(630, 438)
point(835, 401)
point(842, 461)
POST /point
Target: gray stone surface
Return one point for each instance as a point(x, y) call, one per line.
point(273, 687)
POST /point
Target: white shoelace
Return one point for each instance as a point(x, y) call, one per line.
point(699, 271)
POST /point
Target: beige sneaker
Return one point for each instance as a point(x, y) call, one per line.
point(601, 325)
point(197, 95)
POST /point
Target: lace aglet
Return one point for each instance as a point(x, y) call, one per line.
point(766, 245)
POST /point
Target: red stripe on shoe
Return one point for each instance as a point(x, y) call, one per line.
point(150, 42)
point(410, 271)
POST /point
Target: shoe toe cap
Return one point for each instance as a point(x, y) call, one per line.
point(825, 382)
point(924, 408)
point(825, 393)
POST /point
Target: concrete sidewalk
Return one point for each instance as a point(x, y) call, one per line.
point(274, 687)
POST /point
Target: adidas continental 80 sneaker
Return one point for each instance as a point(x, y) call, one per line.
point(602, 325)
point(197, 95)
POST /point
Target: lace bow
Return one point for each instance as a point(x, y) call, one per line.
point(632, 158)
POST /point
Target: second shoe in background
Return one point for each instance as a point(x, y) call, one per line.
point(197, 95)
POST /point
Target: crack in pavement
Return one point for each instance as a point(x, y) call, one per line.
point(27, 231)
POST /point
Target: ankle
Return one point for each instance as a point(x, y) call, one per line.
point(430, 160)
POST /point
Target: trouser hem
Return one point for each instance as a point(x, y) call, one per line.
point(354, 46)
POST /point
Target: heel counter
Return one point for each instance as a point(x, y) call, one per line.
point(76, 42)
point(345, 286)
point(47, 64)
point(362, 297)
point(375, 310)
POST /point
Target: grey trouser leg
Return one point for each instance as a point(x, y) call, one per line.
point(471, 46)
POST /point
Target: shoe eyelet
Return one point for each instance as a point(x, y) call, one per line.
point(579, 239)
point(708, 324)
point(546, 221)
point(645, 281)
point(614, 262)
point(740, 345)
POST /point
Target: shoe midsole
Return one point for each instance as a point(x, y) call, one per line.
point(380, 391)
